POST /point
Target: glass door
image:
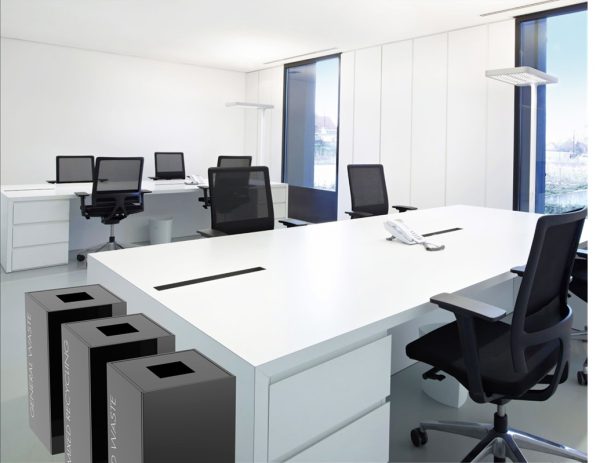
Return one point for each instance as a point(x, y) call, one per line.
point(554, 42)
point(310, 138)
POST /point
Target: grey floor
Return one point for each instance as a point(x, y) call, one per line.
point(563, 418)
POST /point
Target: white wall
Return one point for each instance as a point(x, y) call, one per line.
point(58, 100)
point(425, 110)
point(265, 87)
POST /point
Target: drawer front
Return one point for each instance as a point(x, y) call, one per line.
point(30, 234)
point(279, 195)
point(40, 211)
point(312, 402)
point(366, 439)
point(40, 256)
point(280, 210)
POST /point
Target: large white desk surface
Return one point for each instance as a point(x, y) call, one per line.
point(311, 339)
point(322, 281)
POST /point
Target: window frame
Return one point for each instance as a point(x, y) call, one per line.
point(518, 155)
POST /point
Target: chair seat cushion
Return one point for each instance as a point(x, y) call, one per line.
point(442, 349)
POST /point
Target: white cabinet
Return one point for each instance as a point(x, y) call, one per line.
point(309, 405)
point(35, 233)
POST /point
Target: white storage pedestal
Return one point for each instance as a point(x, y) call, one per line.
point(448, 391)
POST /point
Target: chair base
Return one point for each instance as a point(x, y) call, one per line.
point(498, 440)
point(112, 245)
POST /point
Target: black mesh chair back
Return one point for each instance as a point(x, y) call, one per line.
point(542, 318)
point(241, 199)
point(169, 166)
point(117, 187)
point(367, 188)
point(74, 169)
point(234, 161)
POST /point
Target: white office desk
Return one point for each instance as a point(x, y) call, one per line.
point(307, 337)
point(40, 223)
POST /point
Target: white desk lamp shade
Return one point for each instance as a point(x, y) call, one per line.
point(523, 76)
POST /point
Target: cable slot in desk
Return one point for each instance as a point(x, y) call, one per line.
point(441, 232)
point(208, 278)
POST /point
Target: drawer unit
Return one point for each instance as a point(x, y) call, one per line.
point(326, 396)
point(279, 195)
point(29, 234)
point(40, 211)
point(280, 210)
point(43, 255)
point(366, 439)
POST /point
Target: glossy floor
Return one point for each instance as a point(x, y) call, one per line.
point(563, 418)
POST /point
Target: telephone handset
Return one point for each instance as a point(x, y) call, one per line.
point(405, 234)
point(197, 180)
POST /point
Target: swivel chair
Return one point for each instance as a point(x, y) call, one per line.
point(241, 201)
point(498, 362)
point(74, 169)
point(225, 161)
point(234, 161)
point(368, 191)
point(116, 194)
point(579, 287)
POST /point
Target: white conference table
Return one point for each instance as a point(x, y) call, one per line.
point(41, 222)
point(308, 337)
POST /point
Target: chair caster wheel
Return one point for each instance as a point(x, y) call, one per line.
point(80, 257)
point(418, 437)
point(582, 378)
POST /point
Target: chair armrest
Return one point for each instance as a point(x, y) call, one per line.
point(50, 181)
point(520, 270)
point(143, 192)
point(583, 253)
point(465, 306)
point(81, 194)
point(294, 223)
point(404, 208)
point(358, 215)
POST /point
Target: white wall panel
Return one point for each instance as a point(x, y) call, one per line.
point(367, 108)
point(396, 120)
point(346, 131)
point(429, 121)
point(58, 100)
point(250, 117)
point(467, 111)
point(500, 118)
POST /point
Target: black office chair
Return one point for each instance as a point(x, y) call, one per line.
point(499, 362)
point(225, 161)
point(234, 161)
point(74, 169)
point(168, 166)
point(116, 194)
point(368, 191)
point(241, 200)
point(579, 287)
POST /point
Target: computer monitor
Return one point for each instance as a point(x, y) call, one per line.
point(169, 166)
point(74, 169)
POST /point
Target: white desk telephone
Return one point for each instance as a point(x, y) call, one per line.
point(405, 234)
point(197, 180)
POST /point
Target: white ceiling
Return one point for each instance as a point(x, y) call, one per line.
point(243, 35)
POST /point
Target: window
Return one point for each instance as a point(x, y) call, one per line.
point(554, 42)
point(310, 138)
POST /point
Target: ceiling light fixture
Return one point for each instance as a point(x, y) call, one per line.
point(301, 56)
point(517, 8)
